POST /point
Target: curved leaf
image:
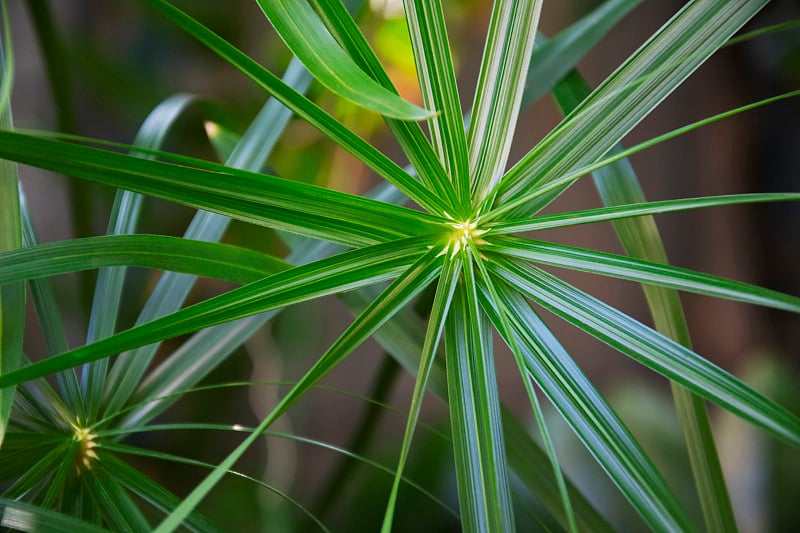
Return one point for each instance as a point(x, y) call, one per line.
point(309, 39)
point(416, 146)
point(124, 218)
point(405, 287)
point(172, 289)
point(304, 108)
point(212, 260)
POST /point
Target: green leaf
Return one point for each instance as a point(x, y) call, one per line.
point(186, 366)
point(123, 219)
point(255, 198)
point(650, 348)
point(6, 67)
point(768, 30)
point(481, 466)
point(441, 304)
point(55, 337)
point(117, 507)
point(532, 467)
point(498, 97)
point(12, 296)
point(22, 449)
point(141, 452)
point(405, 287)
point(410, 283)
point(618, 212)
point(437, 79)
point(309, 40)
point(258, 142)
point(409, 135)
point(304, 108)
point(660, 275)
point(545, 193)
point(21, 516)
point(553, 59)
point(39, 406)
point(499, 315)
point(629, 94)
point(56, 485)
point(213, 260)
point(150, 491)
point(595, 423)
point(617, 184)
point(344, 272)
point(34, 478)
point(250, 153)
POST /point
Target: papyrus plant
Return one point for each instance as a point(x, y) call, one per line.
point(455, 217)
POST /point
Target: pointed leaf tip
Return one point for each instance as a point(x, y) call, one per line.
point(307, 37)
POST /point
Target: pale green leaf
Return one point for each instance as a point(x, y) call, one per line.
point(644, 272)
point(21, 516)
point(480, 459)
point(595, 423)
point(629, 94)
point(650, 348)
point(619, 212)
point(255, 198)
point(553, 59)
point(439, 309)
point(437, 79)
point(213, 260)
point(498, 97)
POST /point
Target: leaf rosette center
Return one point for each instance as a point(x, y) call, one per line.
point(464, 235)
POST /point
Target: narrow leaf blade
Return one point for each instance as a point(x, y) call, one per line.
point(309, 39)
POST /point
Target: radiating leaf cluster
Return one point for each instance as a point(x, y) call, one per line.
point(466, 241)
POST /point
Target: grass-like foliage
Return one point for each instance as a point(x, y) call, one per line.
point(458, 223)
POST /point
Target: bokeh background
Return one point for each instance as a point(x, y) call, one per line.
point(121, 60)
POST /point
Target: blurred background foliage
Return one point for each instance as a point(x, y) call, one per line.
point(105, 50)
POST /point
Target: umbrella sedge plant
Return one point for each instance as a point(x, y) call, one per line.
point(458, 221)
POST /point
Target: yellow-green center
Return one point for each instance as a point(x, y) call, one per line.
point(86, 453)
point(464, 233)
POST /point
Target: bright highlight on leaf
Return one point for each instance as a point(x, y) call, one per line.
point(309, 39)
point(441, 265)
